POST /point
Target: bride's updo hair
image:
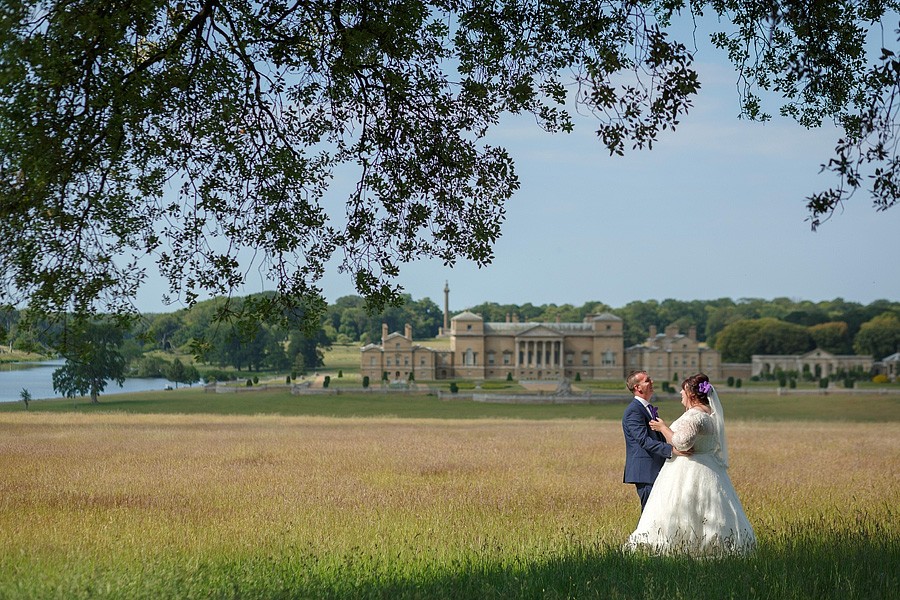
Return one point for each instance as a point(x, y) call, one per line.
point(692, 385)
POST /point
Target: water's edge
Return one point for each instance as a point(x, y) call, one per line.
point(37, 379)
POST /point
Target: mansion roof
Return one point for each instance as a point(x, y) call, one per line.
point(467, 316)
point(519, 327)
point(547, 328)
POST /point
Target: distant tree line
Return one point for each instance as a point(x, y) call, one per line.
point(737, 328)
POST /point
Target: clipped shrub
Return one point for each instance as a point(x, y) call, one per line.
point(340, 373)
point(327, 381)
point(366, 381)
point(255, 379)
point(453, 387)
point(578, 376)
point(792, 383)
point(249, 383)
point(737, 382)
point(782, 381)
point(509, 376)
point(411, 376)
point(730, 381)
point(880, 378)
point(287, 379)
point(849, 382)
point(823, 383)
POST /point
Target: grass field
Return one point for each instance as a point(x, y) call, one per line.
point(757, 406)
point(105, 502)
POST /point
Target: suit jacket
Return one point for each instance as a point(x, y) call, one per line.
point(645, 450)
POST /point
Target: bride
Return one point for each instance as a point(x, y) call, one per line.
point(693, 508)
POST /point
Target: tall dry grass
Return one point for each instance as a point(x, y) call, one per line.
point(124, 505)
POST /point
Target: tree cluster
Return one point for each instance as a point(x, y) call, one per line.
point(201, 138)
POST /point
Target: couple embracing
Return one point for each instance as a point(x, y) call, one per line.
point(688, 503)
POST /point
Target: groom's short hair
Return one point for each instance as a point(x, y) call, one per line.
point(630, 380)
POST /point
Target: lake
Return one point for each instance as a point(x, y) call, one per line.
point(37, 378)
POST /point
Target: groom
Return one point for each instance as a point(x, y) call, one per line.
point(645, 450)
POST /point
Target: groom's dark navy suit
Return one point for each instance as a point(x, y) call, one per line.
point(645, 450)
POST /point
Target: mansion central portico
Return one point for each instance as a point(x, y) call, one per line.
point(535, 354)
point(591, 349)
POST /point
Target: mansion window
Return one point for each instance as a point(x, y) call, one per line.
point(388, 362)
point(570, 358)
point(372, 361)
point(490, 358)
point(507, 358)
point(469, 357)
point(609, 358)
point(585, 358)
point(422, 361)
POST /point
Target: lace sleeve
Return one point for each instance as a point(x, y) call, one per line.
point(685, 431)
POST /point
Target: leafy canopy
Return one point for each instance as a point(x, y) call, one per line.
point(203, 136)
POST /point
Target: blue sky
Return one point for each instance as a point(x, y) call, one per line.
point(715, 210)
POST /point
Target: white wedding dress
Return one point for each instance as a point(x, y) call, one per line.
point(693, 508)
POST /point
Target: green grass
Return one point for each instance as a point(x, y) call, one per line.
point(813, 565)
point(342, 357)
point(16, 356)
point(750, 406)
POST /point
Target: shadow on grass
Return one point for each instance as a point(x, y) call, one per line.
point(822, 565)
point(838, 567)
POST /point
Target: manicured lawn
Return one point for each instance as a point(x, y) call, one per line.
point(872, 408)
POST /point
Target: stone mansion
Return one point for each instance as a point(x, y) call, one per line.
point(593, 349)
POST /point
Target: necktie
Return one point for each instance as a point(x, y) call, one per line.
point(654, 412)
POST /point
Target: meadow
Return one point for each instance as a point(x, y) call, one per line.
point(118, 502)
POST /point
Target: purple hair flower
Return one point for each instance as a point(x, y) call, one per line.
point(704, 387)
